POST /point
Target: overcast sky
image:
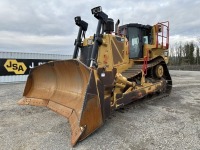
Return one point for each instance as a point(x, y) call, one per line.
point(47, 26)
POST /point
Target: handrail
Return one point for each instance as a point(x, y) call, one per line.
point(164, 25)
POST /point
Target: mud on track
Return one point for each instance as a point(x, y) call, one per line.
point(169, 123)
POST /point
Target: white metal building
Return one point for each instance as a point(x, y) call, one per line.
point(24, 56)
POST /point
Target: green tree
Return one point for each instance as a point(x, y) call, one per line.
point(180, 53)
point(191, 53)
point(197, 57)
point(187, 53)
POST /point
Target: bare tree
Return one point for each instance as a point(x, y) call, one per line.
point(197, 57)
point(197, 51)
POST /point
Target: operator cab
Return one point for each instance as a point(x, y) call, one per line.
point(137, 35)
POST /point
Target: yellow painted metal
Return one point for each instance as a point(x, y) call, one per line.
point(159, 71)
point(62, 87)
point(70, 88)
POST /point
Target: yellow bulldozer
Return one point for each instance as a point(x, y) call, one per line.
point(109, 70)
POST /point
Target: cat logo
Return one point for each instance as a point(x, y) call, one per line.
point(12, 65)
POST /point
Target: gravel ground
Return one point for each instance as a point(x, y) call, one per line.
point(169, 123)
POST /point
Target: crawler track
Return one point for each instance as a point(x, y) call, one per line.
point(135, 72)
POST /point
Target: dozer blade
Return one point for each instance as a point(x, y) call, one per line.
point(69, 88)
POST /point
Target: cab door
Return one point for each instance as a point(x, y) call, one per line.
point(135, 42)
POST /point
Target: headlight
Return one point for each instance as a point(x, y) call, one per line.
point(96, 10)
point(77, 20)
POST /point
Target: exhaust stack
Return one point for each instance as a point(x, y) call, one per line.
point(116, 27)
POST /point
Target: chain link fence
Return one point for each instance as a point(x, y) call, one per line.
point(185, 67)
